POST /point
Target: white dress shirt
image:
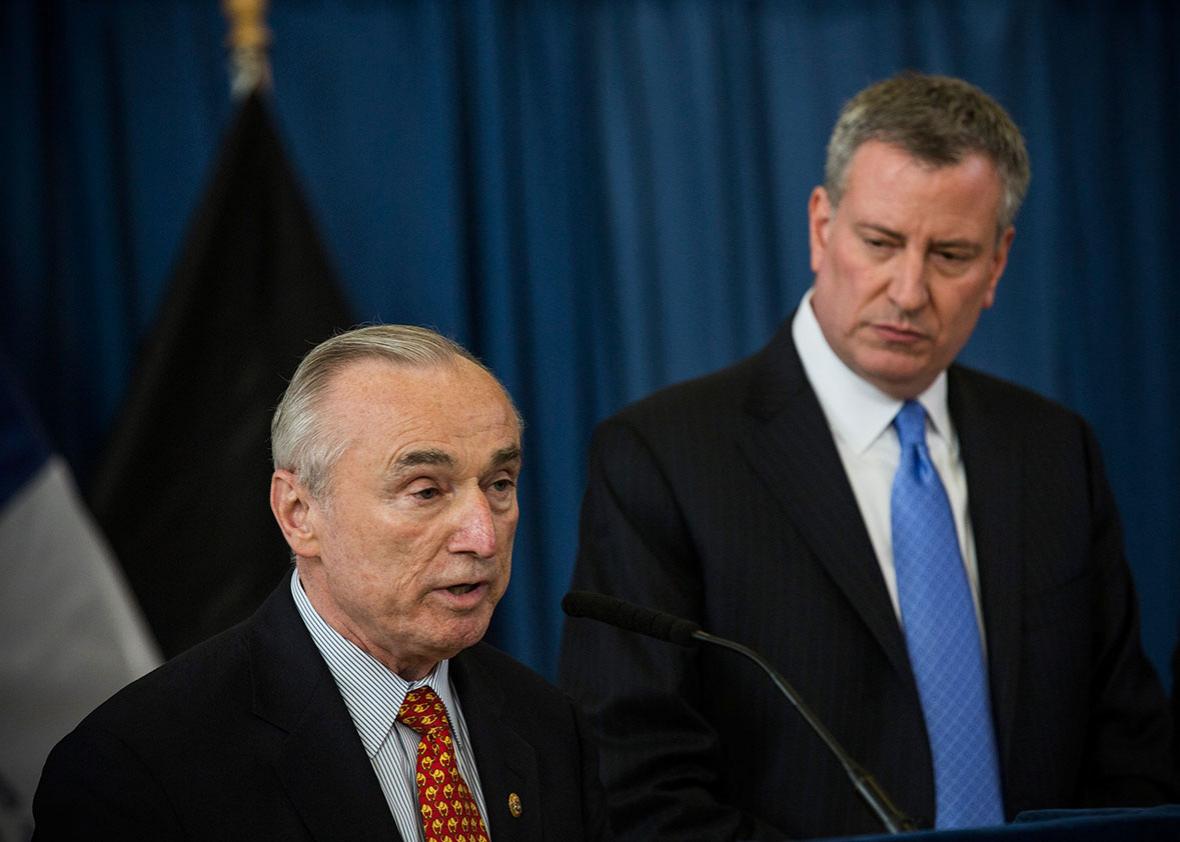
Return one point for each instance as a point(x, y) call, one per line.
point(373, 695)
point(860, 417)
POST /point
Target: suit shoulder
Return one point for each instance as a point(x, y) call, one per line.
point(519, 683)
point(1019, 403)
point(178, 691)
point(706, 399)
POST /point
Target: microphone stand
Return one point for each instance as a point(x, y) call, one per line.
point(894, 820)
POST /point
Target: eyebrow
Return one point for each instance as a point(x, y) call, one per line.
point(969, 245)
point(506, 455)
point(430, 456)
point(434, 456)
point(880, 229)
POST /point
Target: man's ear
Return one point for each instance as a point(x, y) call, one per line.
point(999, 261)
point(292, 506)
point(819, 216)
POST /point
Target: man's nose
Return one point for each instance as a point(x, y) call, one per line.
point(475, 529)
point(909, 288)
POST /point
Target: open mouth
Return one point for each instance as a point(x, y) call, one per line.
point(459, 590)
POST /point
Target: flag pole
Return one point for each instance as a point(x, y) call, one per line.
point(248, 41)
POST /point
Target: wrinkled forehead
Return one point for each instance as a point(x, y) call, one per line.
point(450, 398)
point(890, 182)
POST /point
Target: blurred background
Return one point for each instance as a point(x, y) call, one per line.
point(597, 197)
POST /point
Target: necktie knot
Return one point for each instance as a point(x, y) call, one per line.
point(424, 712)
point(910, 422)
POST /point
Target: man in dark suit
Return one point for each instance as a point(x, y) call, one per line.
point(358, 702)
point(774, 503)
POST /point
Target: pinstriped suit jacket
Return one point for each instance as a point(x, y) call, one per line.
point(246, 737)
point(724, 500)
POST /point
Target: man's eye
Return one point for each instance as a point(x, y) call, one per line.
point(952, 256)
point(426, 493)
point(503, 485)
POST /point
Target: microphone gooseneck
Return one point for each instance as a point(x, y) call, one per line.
point(667, 627)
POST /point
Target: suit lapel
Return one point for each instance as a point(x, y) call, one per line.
point(321, 761)
point(789, 445)
point(994, 465)
point(507, 761)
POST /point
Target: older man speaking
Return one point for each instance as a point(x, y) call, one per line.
point(358, 702)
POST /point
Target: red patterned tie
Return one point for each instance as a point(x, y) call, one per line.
point(449, 812)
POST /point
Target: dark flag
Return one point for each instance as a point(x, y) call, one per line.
point(181, 490)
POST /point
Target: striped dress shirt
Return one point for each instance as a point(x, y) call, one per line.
point(373, 695)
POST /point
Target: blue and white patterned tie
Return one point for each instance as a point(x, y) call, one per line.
point(942, 636)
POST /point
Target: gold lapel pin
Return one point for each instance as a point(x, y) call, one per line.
point(514, 806)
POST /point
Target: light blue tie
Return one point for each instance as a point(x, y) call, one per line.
point(942, 636)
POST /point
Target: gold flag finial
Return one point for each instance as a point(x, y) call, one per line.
point(248, 40)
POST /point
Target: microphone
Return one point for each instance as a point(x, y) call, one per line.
point(631, 617)
point(668, 627)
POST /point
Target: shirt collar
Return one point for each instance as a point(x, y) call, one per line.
point(372, 692)
point(857, 411)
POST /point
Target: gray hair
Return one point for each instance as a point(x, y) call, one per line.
point(936, 119)
point(299, 441)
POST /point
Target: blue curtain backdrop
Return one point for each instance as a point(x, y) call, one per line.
point(600, 198)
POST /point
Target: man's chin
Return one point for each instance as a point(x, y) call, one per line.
point(900, 376)
point(455, 636)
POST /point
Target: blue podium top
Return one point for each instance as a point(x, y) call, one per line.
point(1149, 824)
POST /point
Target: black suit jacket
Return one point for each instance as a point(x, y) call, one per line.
point(247, 737)
point(724, 500)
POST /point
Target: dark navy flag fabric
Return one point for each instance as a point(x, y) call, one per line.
point(182, 489)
